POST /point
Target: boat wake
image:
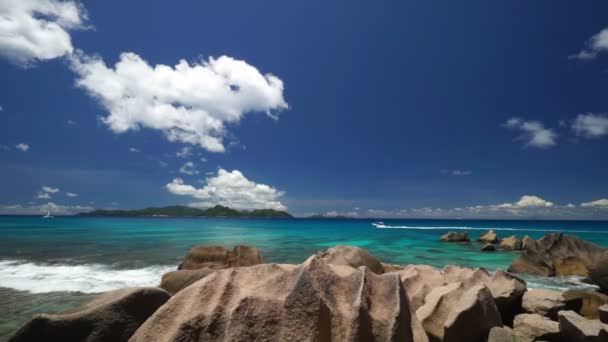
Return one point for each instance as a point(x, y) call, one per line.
point(87, 278)
point(381, 225)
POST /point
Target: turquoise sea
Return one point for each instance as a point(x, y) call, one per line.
point(48, 265)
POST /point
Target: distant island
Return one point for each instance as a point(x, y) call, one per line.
point(185, 211)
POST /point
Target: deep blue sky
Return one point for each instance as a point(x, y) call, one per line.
point(387, 99)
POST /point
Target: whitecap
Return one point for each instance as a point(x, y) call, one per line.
point(384, 226)
point(87, 278)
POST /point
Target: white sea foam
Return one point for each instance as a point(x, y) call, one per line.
point(87, 278)
point(384, 226)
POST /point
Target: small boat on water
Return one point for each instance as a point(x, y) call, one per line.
point(379, 224)
point(48, 212)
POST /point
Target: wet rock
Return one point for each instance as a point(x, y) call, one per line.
point(112, 316)
point(557, 254)
point(352, 256)
point(577, 328)
point(511, 243)
point(603, 313)
point(548, 303)
point(218, 257)
point(536, 327)
point(175, 281)
point(455, 237)
point(591, 301)
point(456, 313)
point(271, 302)
point(489, 237)
point(488, 248)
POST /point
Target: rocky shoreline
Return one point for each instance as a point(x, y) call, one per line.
point(345, 293)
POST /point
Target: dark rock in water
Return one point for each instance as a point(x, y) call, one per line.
point(557, 254)
point(351, 256)
point(598, 272)
point(175, 281)
point(548, 303)
point(603, 313)
point(591, 300)
point(488, 248)
point(489, 237)
point(536, 327)
point(218, 257)
point(270, 302)
point(455, 237)
point(577, 328)
point(511, 243)
point(113, 316)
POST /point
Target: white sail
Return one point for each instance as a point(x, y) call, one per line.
point(48, 211)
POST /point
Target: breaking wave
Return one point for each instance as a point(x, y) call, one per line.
point(384, 226)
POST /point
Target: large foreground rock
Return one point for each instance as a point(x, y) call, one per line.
point(557, 254)
point(175, 281)
point(506, 334)
point(603, 313)
point(113, 316)
point(548, 303)
point(352, 256)
point(455, 237)
point(536, 327)
point(218, 257)
point(598, 272)
point(313, 301)
point(591, 301)
point(456, 312)
point(577, 328)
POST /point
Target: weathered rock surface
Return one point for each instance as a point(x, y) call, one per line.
point(577, 328)
point(489, 237)
point(598, 272)
point(505, 334)
point(591, 301)
point(218, 257)
point(603, 313)
point(113, 316)
point(511, 243)
point(557, 254)
point(488, 248)
point(548, 303)
point(536, 327)
point(455, 237)
point(270, 302)
point(175, 281)
point(456, 312)
point(351, 256)
point(418, 281)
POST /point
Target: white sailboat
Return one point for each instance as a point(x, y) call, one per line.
point(48, 212)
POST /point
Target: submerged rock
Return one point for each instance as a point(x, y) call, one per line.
point(311, 301)
point(489, 237)
point(456, 312)
point(557, 254)
point(577, 328)
point(112, 316)
point(218, 257)
point(548, 303)
point(536, 327)
point(455, 237)
point(511, 243)
point(488, 248)
point(351, 256)
point(175, 281)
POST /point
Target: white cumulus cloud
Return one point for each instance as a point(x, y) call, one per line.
point(185, 152)
point(188, 169)
point(43, 195)
point(50, 189)
point(533, 133)
point(71, 194)
point(33, 30)
point(133, 149)
point(596, 44)
point(230, 189)
point(190, 102)
point(22, 147)
point(599, 203)
point(590, 125)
